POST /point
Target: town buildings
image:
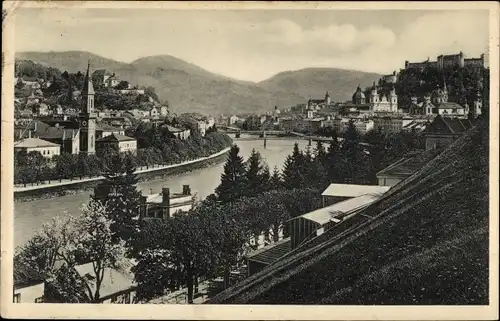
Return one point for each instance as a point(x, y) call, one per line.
point(29, 292)
point(163, 205)
point(317, 104)
point(45, 148)
point(65, 133)
point(117, 142)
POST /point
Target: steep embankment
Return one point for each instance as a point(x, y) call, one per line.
point(425, 242)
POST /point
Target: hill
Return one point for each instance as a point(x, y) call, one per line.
point(314, 82)
point(189, 88)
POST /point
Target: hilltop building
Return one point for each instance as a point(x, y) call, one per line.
point(390, 79)
point(447, 61)
point(437, 103)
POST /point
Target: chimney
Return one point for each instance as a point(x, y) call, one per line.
point(165, 191)
point(186, 190)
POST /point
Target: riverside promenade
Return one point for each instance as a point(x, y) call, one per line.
point(140, 170)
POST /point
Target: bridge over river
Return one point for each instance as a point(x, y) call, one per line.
point(270, 134)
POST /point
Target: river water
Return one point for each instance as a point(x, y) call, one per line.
point(29, 216)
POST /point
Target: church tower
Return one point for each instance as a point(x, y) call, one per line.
point(393, 99)
point(374, 98)
point(87, 117)
point(327, 99)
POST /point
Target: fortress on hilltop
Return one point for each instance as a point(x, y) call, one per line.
point(447, 61)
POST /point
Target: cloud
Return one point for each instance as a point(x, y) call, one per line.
point(341, 38)
point(253, 46)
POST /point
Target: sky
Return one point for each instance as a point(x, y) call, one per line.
point(256, 44)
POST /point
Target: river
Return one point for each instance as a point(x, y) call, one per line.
point(29, 216)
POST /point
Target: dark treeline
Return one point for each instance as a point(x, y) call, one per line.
point(166, 149)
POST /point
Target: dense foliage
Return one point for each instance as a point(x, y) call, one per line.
point(163, 149)
point(64, 243)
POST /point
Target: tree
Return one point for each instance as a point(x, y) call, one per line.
point(319, 152)
point(254, 174)
point(94, 238)
point(82, 166)
point(118, 193)
point(275, 181)
point(122, 85)
point(151, 92)
point(72, 241)
point(233, 182)
point(174, 253)
point(293, 172)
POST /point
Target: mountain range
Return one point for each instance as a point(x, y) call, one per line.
point(189, 88)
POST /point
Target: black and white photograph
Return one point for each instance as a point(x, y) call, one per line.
point(242, 154)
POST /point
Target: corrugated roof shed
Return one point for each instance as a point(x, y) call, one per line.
point(325, 214)
point(271, 253)
point(353, 190)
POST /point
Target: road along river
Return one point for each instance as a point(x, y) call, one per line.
point(29, 216)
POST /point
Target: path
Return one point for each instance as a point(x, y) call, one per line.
point(143, 169)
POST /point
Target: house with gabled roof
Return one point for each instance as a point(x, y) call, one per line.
point(120, 143)
point(444, 130)
point(30, 144)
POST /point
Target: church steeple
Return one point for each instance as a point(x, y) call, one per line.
point(88, 88)
point(87, 116)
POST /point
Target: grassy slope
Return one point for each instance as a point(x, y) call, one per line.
point(427, 244)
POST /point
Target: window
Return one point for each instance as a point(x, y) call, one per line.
point(39, 300)
point(17, 297)
point(126, 298)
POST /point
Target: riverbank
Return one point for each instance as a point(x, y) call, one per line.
point(56, 189)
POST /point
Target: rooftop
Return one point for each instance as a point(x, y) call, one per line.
point(113, 281)
point(107, 127)
point(338, 210)
point(34, 143)
point(449, 125)
point(271, 253)
point(352, 190)
point(406, 166)
point(115, 138)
